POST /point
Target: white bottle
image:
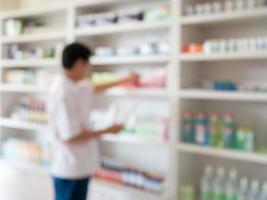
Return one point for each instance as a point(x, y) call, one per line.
point(242, 191)
point(231, 186)
point(254, 190)
point(263, 194)
point(218, 185)
point(207, 46)
point(206, 184)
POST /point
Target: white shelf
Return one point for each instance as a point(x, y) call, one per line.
point(129, 193)
point(129, 60)
point(86, 3)
point(190, 57)
point(33, 12)
point(29, 63)
point(23, 165)
point(225, 17)
point(217, 95)
point(137, 93)
point(35, 37)
point(132, 140)
point(16, 124)
point(118, 28)
point(223, 153)
point(22, 88)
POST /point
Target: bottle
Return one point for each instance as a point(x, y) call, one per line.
point(229, 131)
point(215, 130)
point(231, 186)
point(201, 132)
point(263, 194)
point(218, 185)
point(206, 184)
point(245, 139)
point(254, 190)
point(242, 191)
point(250, 140)
point(207, 46)
point(188, 127)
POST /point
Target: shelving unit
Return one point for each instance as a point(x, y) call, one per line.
point(227, 17)
point(128, 140)
point(129, 60)
point(183, 69)
point(223, 153)
point(138, 93)
point(113, 29)
point(23, 88)
point(238, 67)
point(16, 124)
point(34, 12)
point(36, 37)
point(227, 96)
point(29, 63)
point(121, 192)
point(72, 33)
point(10, 93)
point(28, 167)
point(223, 57)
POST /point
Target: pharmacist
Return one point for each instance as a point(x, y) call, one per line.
point(75, 153)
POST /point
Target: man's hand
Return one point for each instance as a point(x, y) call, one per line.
point(133, 79)
point(115, 129)
point(92, 135)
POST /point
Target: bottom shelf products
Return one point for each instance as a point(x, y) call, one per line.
point(116, 172)
point(216, 186)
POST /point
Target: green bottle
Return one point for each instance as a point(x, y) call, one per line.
point(231, 186)
point(229, 131)
point(188, 127)
point(215, 130)
point(206, 184)
point(218, 192)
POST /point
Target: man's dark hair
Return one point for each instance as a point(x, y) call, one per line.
point(74, 52)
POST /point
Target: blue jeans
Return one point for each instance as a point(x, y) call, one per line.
point(67, 189)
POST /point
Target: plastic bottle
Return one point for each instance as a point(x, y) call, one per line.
point(229, 131)
point(263, 194)
point(218, 185)
point(242, 191)
point(207, 46)
point(250, 140)
point(241, 138)
point(206, 184)
point(254, 190)
point(201, 129)
point(245, 139)
point(231, 186)
point(188, 127)
point(215, 130)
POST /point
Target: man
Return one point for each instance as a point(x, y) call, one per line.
point(75, 154)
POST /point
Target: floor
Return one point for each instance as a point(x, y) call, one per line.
point(21, 185)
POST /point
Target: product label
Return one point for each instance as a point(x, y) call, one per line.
point(200, 134)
